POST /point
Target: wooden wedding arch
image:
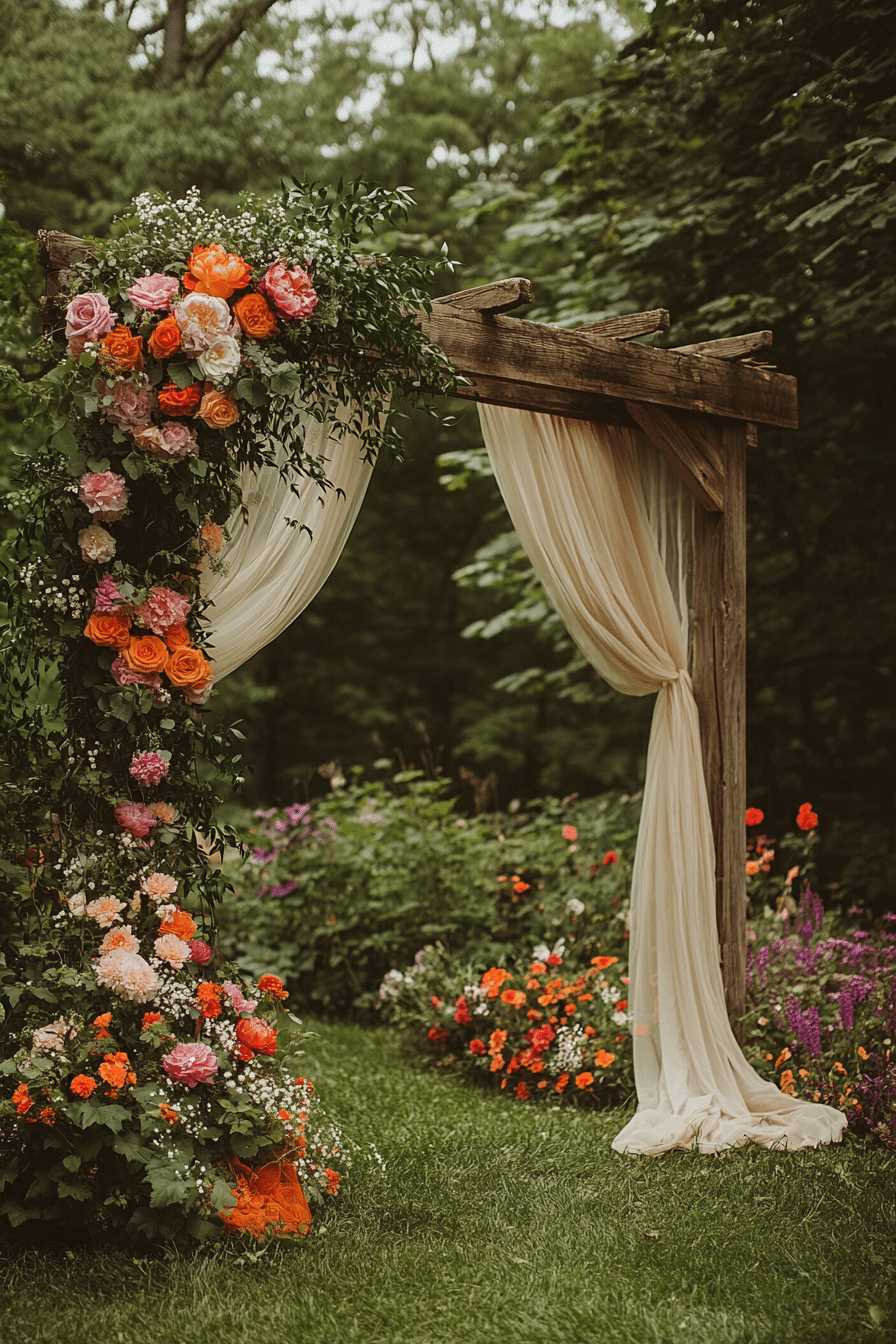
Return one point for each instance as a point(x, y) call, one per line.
point(700, 406)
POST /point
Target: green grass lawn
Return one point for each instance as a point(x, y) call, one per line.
point(504, 1223)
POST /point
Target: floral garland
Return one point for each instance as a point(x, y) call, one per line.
point(196, 345)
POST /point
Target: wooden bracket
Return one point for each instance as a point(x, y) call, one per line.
point(691, 456)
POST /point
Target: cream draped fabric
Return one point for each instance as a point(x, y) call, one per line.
point(271, 569)
point(601, 544)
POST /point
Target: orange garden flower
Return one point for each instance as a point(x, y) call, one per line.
point(149, 1020)
point(166, 814)
point(515, 997)
point(333, 1179)
point(610, 858)
point(112, 631)
point(584, 1080)
point(213, 270)
point(102, 1022)
point(752, 868)
point(174, 400)
point(255, 316)
point(122, 351)
point(784, 1055)
point(22, 1099)
point(493, 980)
point(603, 962)
point(520, 887)
point(115, 1070)
point(47, 1116)
point(168, 1113)
point(522, 1092)
point(187, 667)
point(561, 1082)
point(478, 1047)
point(497, 1063)
point(146, 653)
point(569, 833)
point(177, 637)
point(754, 816)
point(257, 1035)
point(211, 538)
point(82, 1086)
point(218, 409)
point(165, 339)
point(496, 1041)
point(183, 926)
point(273, 985)
point(806, 819)
point(787, 1084)
point(603, 1059)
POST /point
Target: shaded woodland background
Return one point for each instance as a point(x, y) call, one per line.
point(732, 161)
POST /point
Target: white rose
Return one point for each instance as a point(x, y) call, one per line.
point(202, 318)
point(221, 359)
point(77, 904)
point(97, 545)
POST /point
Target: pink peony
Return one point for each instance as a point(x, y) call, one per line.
point(202, 318)
point(238, 1002)
point(200, 952)
point(106, 597)
point(163, 609)
point(105, 494)
point(153, 292)
point(126, 676)
point(127, 975)
point(105, 910)
point(135, 817)
point(87, 318)
point(190, 1064)
point(97, 545)
point(169, 442)
point(132, 402)
point(119, 940)
point(291, 292)
point(173, 950)
point(148, 768)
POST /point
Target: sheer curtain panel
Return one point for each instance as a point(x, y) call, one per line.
point(604, 527)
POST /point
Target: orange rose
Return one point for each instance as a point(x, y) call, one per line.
point(113, 631)
point(180, 924)
point(165, 339)
point(212, 270)
point(175, 400)
point(218, 410)
point(212, 538)
point(187, 667)
point(254, 316)
point(123, 350)
point(146, 653)
point(178, 637)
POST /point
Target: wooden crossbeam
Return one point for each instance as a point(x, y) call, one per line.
point(729, 347)
point(500, 297)
point(547, 361)
point(627, 326)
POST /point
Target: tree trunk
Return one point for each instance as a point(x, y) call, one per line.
point(174, 52)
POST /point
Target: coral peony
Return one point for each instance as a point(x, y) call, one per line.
point(159, 886)
point(105, 494)
point(122, 350)
point(754, 816)
point(167, 814)
point(105, 910)
point(112, 631)
point(202, 318)
point(200, 952)
point(173, 950)
point(290, 291)
point(148, 768)
point(257, 1035)
point(136, 818)
point(120, 940)
point(211, 538)
point(97, 545)
point(214, 270)
point(255, 317)
point(218, 410)
point(127, 975)
point(163, 609)
point(174, 400)
point(153, 293)
point(569, 833)
point(190, 1064)
point(87, 318)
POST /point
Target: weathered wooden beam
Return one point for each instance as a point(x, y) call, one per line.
point(545, 400)
point(513, 350)
point(703, 474)
point(500, 297)
point(729, 347)
point(719, 676)
point(57, 252)
point(627, 326)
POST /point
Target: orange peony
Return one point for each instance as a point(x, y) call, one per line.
point(123, 350)
point(212, 270)
point(187, 667)
point(165, 339)
point(82, 1086)
point(112, 631)
point(174, 400)
point(218, 410)
point(254, 316)
point(146, 653)
point(257, 1035)
point(180, 924)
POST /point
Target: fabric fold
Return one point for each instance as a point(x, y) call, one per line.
point(575, 492)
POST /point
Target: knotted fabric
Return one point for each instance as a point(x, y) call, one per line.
point(599, 539)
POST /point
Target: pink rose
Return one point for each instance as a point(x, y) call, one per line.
point(97, 545)
point(126, 676)
point(148, 768)
point(135, 817)
point(153, 292)
point(172, 440)
point(87, 318)
point(202, 318)
point(291, 292)
point(190, 1064)
point(163, 609)
point(132, 402)
point(238, 1002)
point(200, 952)
point(105, 494)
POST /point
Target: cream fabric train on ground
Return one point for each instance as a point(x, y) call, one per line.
point(575, 492)
point(272, 570)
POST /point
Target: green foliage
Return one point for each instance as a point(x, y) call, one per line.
point(335, 894)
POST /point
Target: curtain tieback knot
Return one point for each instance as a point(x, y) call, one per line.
point(683, 676)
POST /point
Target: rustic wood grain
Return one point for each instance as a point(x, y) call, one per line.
point(501, 297)
point(57, 252)
point(719, 676)
point(729, 347)
point(627, 326)
point(514, 350)
point(704, 476)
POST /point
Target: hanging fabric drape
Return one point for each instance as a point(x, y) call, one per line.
point(280, 556)
point(604, 549)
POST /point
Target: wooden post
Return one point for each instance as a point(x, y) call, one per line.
point(719, 675)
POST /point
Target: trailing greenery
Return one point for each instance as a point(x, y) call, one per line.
point(517, 1218)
